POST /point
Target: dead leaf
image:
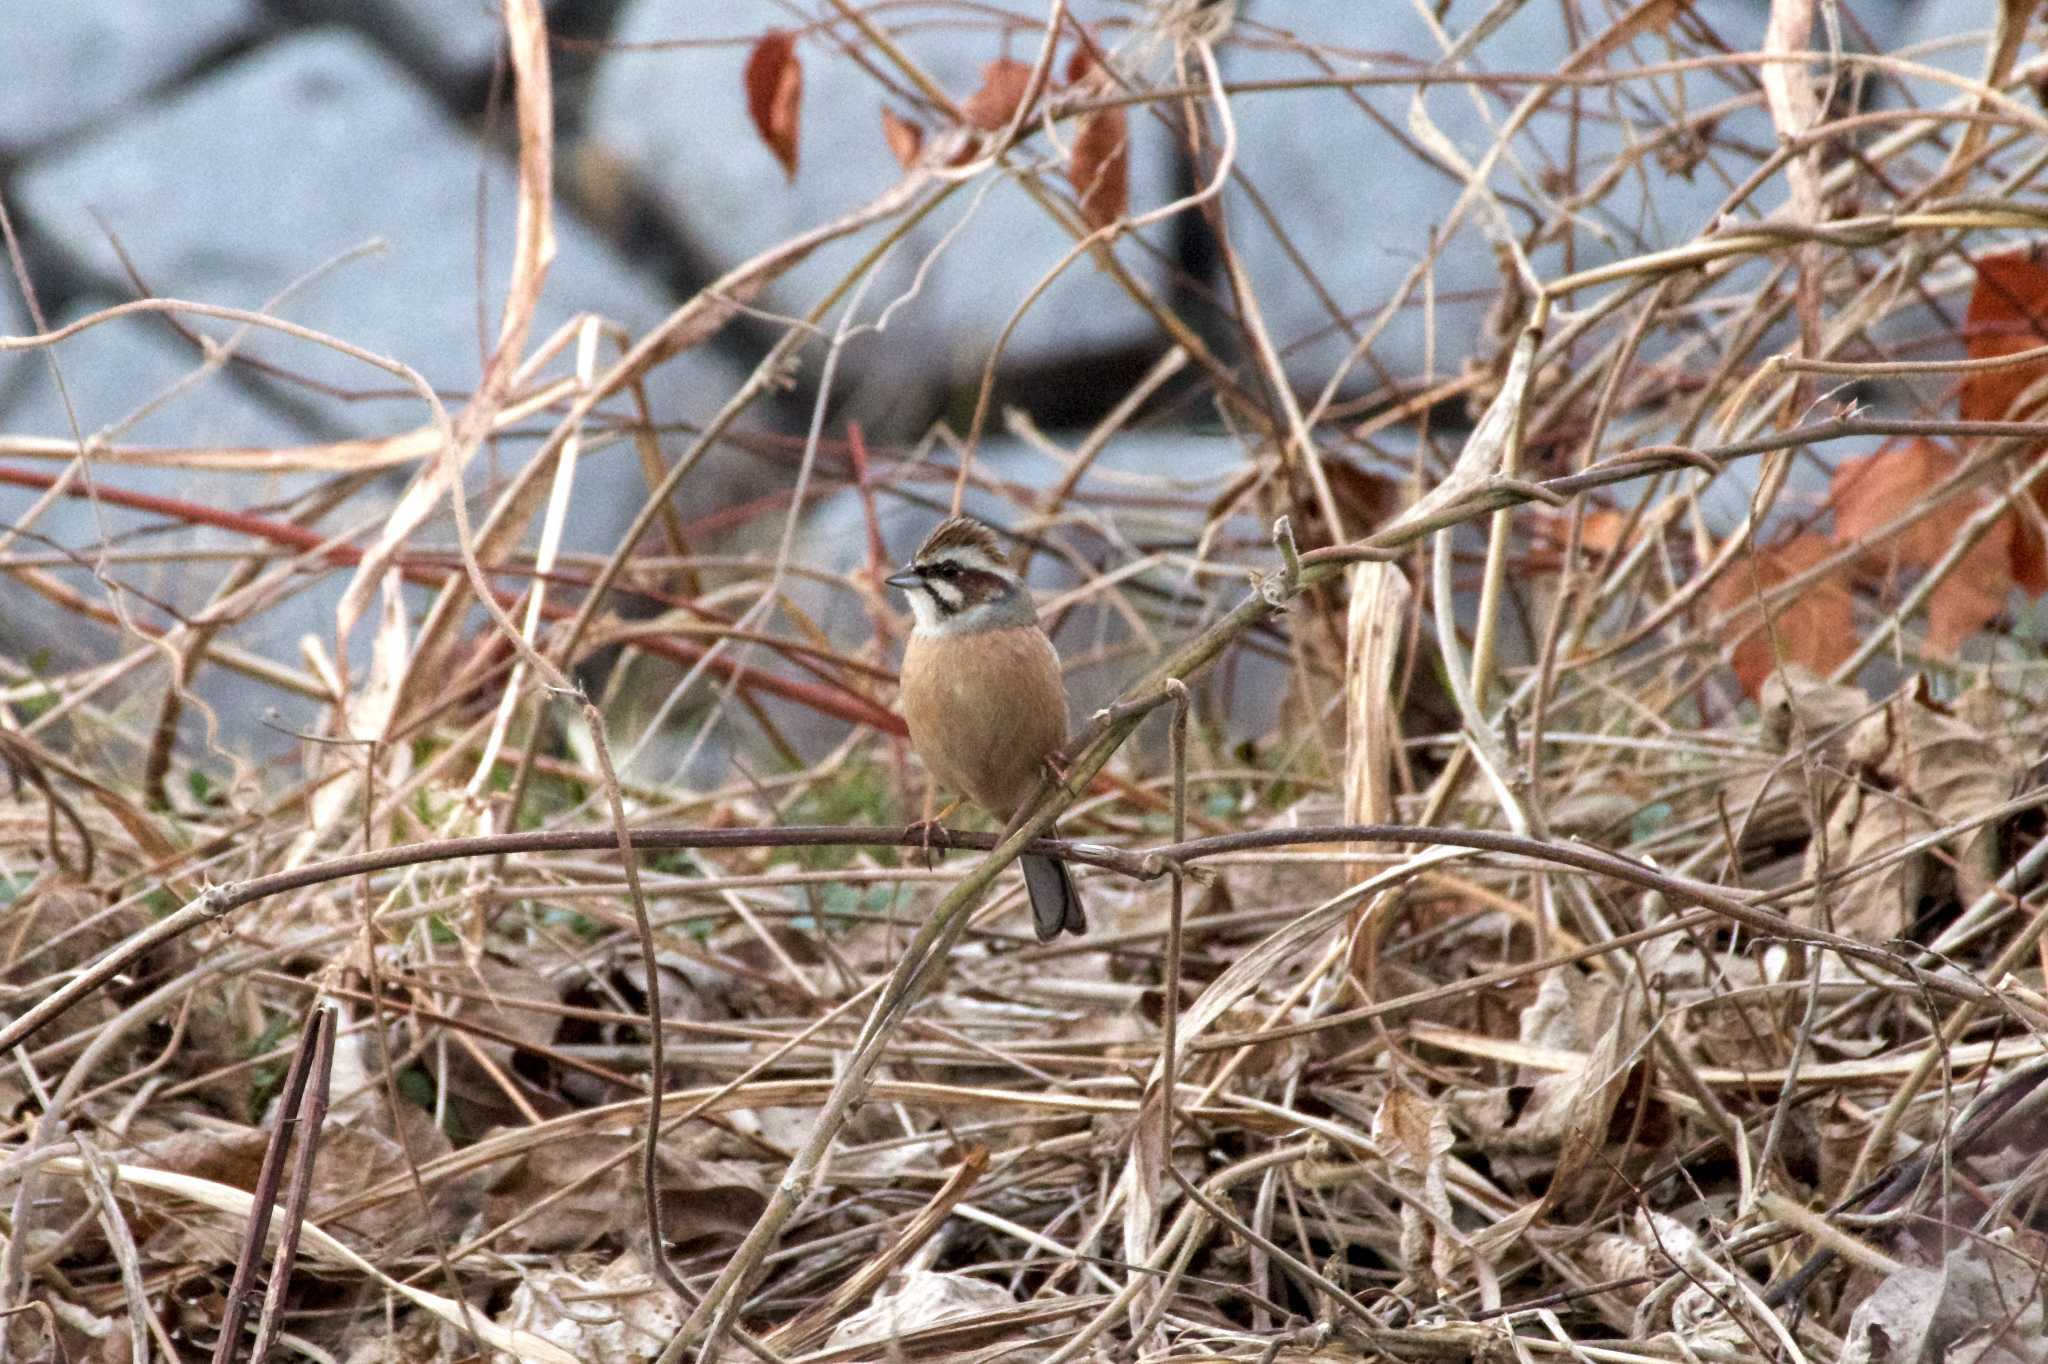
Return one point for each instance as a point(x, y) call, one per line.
point(1974, 593)
point(1100, 166)
point(1413, 1136)
point(1816, 629)
point(1980, 1302)
point(1365, 497)
point(1797, 709)
point(352, 1156)
point(1914, 766)
point(1556, 1125)
point(1379, 597)
point(1865, 823)
point(916, 1299)
point(1959, 773)
point(775, 87)
point(50, 935)
point(906, 139)
point(2029, 566)
point(553, 1302)
point(1004, 83)
point(1867, 493)
point(1100, 169)
point(581, 1185)
point(1603, 531)
point(511, 1009)
point(1590, 1096)
point(2008, 313)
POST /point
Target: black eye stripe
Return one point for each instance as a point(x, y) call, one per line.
point(954, 586)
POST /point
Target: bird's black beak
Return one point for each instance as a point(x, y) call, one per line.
point(906, 579)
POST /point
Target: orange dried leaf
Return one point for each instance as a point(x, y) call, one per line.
point(1003, 85)
point(906, 139)
point(2008, 313)
point(1972, 596)
point(1870, 492)
point(775, 87)
point(1603, 530)
point(1100, 168)
point(1817, 628)
point(2029, 562)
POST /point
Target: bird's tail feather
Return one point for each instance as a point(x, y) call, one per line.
point(1055, 904)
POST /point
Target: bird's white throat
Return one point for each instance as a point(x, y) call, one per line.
point(935, 623)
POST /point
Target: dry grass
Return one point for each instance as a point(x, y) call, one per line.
point(1524, 990)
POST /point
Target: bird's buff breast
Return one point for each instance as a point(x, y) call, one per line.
point(985, 710)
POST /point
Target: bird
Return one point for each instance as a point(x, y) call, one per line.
point(982, 693)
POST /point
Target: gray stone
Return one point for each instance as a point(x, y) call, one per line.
point(1952, 35)
point(71, 64)
point(111, 372)
point(14, 321)
point(116, 369)
point(677, 118)
point(311, 148)
point(271, 167)
point(450, 39)
point(1879, 25)
point(1360, 204)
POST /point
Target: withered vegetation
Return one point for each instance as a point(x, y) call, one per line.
point(1564, 854)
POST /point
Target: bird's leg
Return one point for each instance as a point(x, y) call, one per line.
point(926, 827)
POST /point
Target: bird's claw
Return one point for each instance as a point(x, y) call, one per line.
point(927, 831)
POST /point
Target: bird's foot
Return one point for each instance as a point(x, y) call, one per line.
point(930, 831)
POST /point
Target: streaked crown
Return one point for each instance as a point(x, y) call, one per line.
point(965, 541)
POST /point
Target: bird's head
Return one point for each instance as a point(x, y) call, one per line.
point(959, 581)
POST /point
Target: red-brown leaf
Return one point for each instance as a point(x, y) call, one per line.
point(1817, 628)
point(1100, 170)
point(1869, 492)
point(1600, 532)
point(775, 87)
point(1101, 167)
point(1003, 84)
point(2008, 312)
point(1972, 596)
point(906, 139)
point(2029, 558)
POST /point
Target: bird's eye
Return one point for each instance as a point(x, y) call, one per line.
point(946, 570)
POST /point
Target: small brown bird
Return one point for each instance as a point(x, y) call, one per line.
point(982, 693)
